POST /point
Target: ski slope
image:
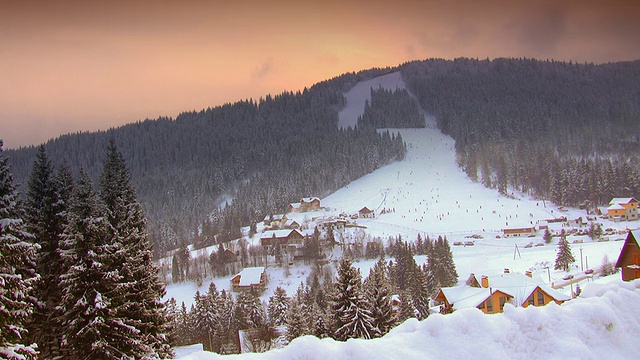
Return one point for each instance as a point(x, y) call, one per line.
point(428, 194)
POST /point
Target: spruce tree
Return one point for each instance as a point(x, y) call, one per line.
point(378, 292)
point(138, 298)
point(419, 293)
point(17, 270)
point(350, 308)
point(92, 329)
point(564, 257)
point(46, 203)
point(278, 306)
point(295, 323)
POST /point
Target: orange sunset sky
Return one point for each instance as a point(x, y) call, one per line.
point(68, 65)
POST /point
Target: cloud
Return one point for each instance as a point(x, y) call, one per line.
point(264, 69)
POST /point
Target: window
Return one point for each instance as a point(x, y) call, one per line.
point(489, 305)
point(481, 306)
point(540, 298)
point(530, 301)
point(503, 300)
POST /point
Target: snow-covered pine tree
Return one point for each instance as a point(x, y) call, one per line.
point(378, 292)
point(350, 308)
point(278, 306)
point(564, 257)
point(445, 273)
point(91, 327)
point(419, 292)
point(17, 270)
point(406, 309)
point(138, 300)
point(46, 203)
point(295, 324)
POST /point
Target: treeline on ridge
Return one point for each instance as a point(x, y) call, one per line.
point(562, 131)
point(231, 165)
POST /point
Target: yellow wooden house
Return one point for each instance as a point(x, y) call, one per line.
point(623, 209)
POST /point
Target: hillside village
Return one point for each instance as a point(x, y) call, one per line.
point(503, 247)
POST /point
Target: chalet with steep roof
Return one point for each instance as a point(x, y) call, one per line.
point(623, 209)
point(629, 258)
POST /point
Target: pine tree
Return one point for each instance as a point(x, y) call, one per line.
point(138, 301)
point(350, 308)
point(91, 327)
point(17, 270)
point(406, 308)
point(547, 236)
point(294, 321)
point(419, 293)
point(47, 201)
point(278, 306)
point(444, 269)
point(378, 292)
point(564, 257)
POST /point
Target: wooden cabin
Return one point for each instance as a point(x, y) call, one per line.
point(250, 278)
point(523, 231)
point(366, 213)
point(629, 259)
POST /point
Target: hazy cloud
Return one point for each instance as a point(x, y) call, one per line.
point(264, 69)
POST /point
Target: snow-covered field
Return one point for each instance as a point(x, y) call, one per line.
point(428, 194)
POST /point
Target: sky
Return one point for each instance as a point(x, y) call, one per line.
point(70, 65)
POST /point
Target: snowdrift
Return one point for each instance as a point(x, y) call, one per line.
point(602, 323)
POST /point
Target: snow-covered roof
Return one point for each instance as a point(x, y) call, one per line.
point(616, 206)
point(278, 217)
point(465, 296)
point(622, 200)
point(309, 199)
point(521, 286)
point(278, 233)
point(250, 276)
point(295, 205)
point(289, 222)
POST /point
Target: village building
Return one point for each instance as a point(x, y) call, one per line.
point(491, 293)
point(521, 231)
point(629, 259)
point(623, 209)
point(290, 224)
point(250, 278)
point(305, 205)
point(366, 213)
point(336, 225)
point(275, 221)
point(282, 237)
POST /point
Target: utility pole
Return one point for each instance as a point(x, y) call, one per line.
point(581, 266)
point(548, 273)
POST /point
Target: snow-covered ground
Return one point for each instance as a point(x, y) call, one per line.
point(427, 194)
point(602, 323)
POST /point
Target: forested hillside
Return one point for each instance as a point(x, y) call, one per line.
point(257, 155)
point(562, 131)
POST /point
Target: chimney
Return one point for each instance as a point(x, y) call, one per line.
point(528, 273)
point(485, 281)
